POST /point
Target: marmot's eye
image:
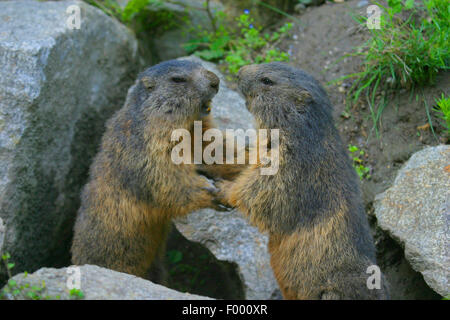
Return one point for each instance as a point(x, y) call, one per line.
point(267, 81)
point(178, 79)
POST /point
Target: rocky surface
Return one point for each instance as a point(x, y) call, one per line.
point(2, 232)
point(96, 283)
point(416, 212)
point(57, 88)
point(230, 238)
point(227, 234)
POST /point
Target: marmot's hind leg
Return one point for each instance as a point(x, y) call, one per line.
point(158, 271)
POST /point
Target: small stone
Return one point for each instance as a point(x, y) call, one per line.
point(362, 3)
point(299, 8)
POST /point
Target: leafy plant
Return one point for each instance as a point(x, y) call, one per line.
point(12, 288)
point(237, 47)
point(361, 170)
point(76, 293)
point(174, 256)
point(140, 15)
point(404, 52)
point(443, 109)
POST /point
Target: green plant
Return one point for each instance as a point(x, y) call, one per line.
point(237, 47)
point(8, 265)
point(404, 52)
point(443, 109)
point(12, 288)
point(174, 256)
point(191, 272)
point(140, 15)
point(76, 293)
point(361, 170)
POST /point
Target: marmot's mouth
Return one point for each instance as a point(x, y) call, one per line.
point(206, 108)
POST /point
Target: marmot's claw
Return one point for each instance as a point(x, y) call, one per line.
point(218, 206)
point(212, 190)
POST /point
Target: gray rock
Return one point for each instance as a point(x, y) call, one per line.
point(416, 212)
point(96, 283)
point(230, 238)
point(57, 87)
point(363, 3)
point(227, 234)
point(299, 7)
point(2, 233)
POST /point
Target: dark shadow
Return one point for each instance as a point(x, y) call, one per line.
point(193, 268)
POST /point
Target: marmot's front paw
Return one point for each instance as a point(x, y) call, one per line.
point(215, 203)
point(209, 186)
point(223, 186)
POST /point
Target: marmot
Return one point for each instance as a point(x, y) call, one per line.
point(319, 238)
point(135, 189)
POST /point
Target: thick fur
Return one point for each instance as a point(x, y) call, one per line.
point(134, 188)
point(319, 237)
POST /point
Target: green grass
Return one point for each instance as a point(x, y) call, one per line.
point(409, 50)
point(443, 109)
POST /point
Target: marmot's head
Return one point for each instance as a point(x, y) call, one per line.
point(178, 89)
point(277, 93)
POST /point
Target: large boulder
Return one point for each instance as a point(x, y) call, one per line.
point(228, 235)
point(96, 283)
point(57, 88)
point(416, 212)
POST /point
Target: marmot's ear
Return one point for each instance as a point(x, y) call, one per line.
point(148, 83)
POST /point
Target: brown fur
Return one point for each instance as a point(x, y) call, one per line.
point(134, 188)
point(319, 238)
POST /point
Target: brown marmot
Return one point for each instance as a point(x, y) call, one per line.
point(319, 238)
point(134, 188)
